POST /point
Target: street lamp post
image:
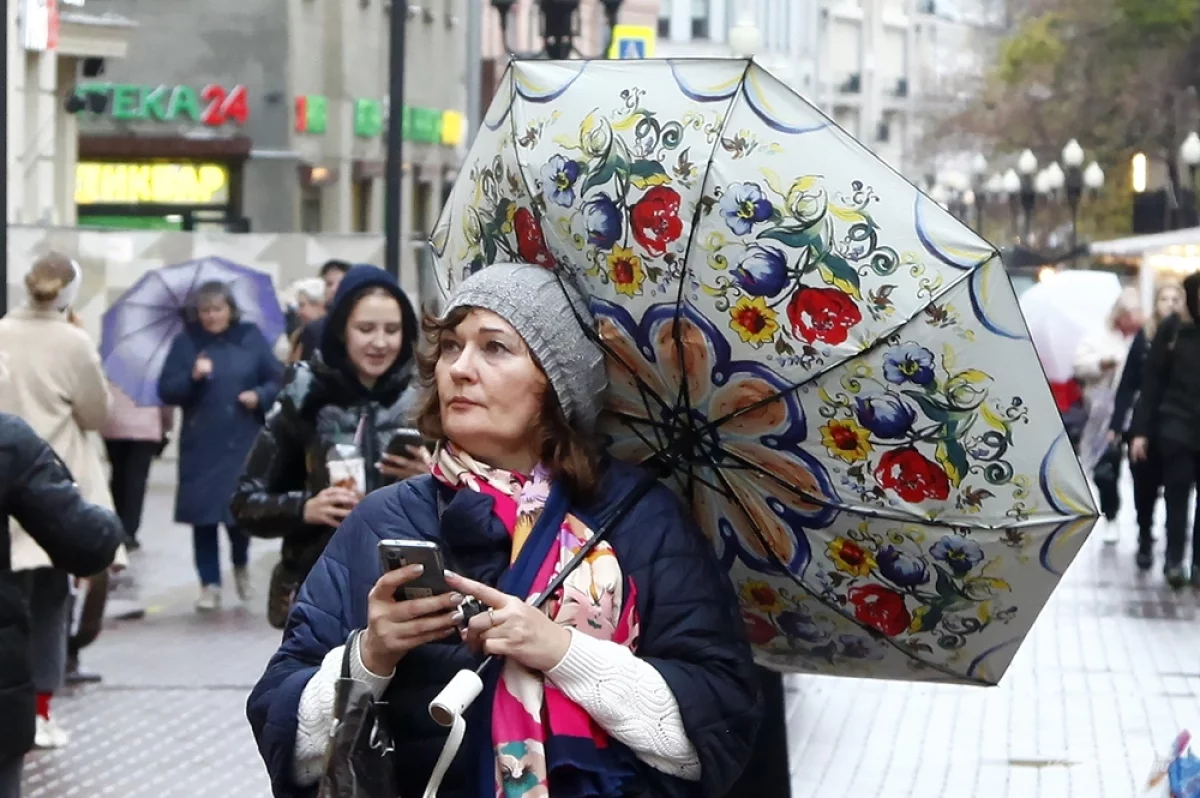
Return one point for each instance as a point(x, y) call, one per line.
point(1027, 166)
point(1011, 185)
point(1189, 153)
point(1072, 158)
point(393, 180)
point(979, 167)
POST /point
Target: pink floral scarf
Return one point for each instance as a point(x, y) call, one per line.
point(527, 709)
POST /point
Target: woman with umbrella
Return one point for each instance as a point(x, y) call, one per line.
point(515, 388)
point(221, 372)
point(357, 393)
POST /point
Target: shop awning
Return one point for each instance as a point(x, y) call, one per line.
point(1172, 242)
point(84, 35)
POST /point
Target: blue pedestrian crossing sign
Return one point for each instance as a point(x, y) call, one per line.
point(631, 42)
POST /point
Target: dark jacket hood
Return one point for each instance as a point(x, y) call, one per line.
point(333, 356)
point(1191, 297)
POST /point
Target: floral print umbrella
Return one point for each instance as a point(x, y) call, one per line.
point(836, 367)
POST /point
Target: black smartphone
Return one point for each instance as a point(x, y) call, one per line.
point(395, 554)
point(403, 439)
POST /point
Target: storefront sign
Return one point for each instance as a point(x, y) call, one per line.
point(212, 105)
point(427, 125)
point(311, 113)
point(158, 183)
point(38, 23)
point(368, 118)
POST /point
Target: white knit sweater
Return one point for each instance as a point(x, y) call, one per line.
point(627, 696)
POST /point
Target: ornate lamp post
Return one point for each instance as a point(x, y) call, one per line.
point(560, 26)
point(1189, 153)
point(979, 188)
point(1010, 184)
point(1027, 166)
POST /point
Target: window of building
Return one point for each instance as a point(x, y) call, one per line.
point(360, 205)
point(664, 20)
point(701, 11)
point(310, 209)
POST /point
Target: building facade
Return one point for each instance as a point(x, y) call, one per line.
point(268, 117)
point(874, 66)
point(50, 48)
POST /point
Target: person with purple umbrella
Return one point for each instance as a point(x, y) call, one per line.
point(222, 373)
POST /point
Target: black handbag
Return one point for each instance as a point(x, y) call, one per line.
point(360, 761)
point(1107, 471)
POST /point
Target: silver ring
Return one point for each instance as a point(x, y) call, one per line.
point(492, 616)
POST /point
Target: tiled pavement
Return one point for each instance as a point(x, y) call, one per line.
point(1110, 674)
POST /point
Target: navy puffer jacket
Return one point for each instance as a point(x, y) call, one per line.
point(691, 630)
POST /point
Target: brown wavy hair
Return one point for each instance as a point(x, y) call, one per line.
point(571, 456)
point(48, 277)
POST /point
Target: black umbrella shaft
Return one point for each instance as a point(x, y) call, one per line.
point(4, 182)
point(394, 164)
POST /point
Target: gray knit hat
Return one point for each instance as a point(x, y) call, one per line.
point(546, 312)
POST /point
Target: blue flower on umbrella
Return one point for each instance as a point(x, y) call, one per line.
point(857, 647)
point(762, 272)
point(558, 180)
point(602, 220)
point(959, 553)
point(903, 569)
point(886, 415)
point(908, 363)
point(801, 626)
point(743, 205)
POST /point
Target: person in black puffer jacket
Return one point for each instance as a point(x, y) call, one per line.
point(348, 402)
point(38, 491)
point(1167, 416)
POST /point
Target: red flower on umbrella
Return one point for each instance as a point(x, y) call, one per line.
point(759, 631)
point(913, 477)
point(654, 219)
point(531, 243)
point(822, 314)
point(880, 608)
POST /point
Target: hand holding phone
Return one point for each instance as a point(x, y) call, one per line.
point(396, 625)
point(396, 554)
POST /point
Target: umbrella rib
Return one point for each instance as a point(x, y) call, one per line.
point(683, 400)
point(873, 633)
point(130, 333)
point(167, 285)
point(879, 341)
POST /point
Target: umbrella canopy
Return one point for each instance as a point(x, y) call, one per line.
point(138, 328)
point(834, 367)
point(1063, 310)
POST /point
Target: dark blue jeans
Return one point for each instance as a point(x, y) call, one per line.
point(207, 548)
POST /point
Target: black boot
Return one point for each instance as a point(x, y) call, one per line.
point(1145, 553)
point(1176, 574)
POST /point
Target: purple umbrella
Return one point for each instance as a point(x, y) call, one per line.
point(140, 325)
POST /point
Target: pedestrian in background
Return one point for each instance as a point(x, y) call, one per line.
point(1098, 364)
point(53, 380)
point(310, 306)
point(1168, 414)
point(38, 492)
point(357, 392)
point(133, 437)
point(310, 334)
point(221, 373)
point(1147, 473)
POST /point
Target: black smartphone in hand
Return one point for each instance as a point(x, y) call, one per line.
point(406, 439)
point(395, 554)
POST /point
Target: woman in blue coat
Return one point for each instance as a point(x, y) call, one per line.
point(223, 375)
point(636, 681)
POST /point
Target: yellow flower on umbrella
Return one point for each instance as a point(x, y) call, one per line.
point(762, 597)
point(849, 557)
point(753, 321)
point(846, 440)
point(626, 271)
